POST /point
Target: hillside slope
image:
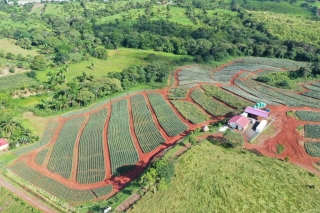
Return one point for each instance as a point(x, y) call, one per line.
point(213, 179)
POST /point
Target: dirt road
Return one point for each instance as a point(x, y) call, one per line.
point(23, 195)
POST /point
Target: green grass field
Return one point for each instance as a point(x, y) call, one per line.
point(8, 45)
point(10, 203)
point(210, 178)
point(117, 61)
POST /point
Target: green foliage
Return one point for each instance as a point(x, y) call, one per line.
point(158, 175)
point(180, 92)
point(149, 136)
point(122, 151)
point(11, 203)
point(39, 63)
point(216, 179)
point(312, 131)
point(100, 53)
point(168, 120)
point(226, 97)
point(280, 149)
point(312, 94)
point(312, 148)
point(192, 140)
point(209, 104)
point(190, 111)
point(41, 156)
point(233, 139)
point(55, 188)
point(13, 82)
point(12, 70)
point(60, 161)
point(308, 115)
point(91, 167)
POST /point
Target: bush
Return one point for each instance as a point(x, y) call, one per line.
point(12, 70)
point(192, 140)
point(233, 139)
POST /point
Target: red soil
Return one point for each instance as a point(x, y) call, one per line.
point(285, 134)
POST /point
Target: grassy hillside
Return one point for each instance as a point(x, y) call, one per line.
point(118, 60)
point(8, 45)
point(213, 179)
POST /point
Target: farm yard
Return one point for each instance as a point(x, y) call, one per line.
point(92, 153)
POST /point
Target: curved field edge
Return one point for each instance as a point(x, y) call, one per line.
point(233, 181)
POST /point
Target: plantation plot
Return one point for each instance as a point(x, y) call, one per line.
point(210, 105)
point(194, 74)
point(48, 133)
point(247, 96)
point(41, 156)
point(13, 82)
point(91, 168)
point(61, 158)
point(226, 97)
point(311, 87)
point(190, 111)
point(180, 92)
point(123, 153)
point(312, 94)
point(55, 188)
point(169, 121)
point(308, 116)
point(312, 148)
point(148, 134)
point(312, 131)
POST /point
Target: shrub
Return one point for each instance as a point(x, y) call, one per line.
point(12, 70)
point(233, 139)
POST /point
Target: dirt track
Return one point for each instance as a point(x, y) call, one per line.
point(23, 195)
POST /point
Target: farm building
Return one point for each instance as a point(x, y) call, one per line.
point(239, 122)
point(255, 113)
point(261, 126)
point(3, 144)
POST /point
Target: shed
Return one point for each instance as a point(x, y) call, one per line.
point(205, 128)
point(239, 122)
point(261, 126)
point(3, 144)
point(256, 112)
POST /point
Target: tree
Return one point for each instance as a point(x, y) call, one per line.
point(100, 53)
point(279, 149)
point(39, 63)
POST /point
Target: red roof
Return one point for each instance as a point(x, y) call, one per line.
point(240, 120)
point(3, 142)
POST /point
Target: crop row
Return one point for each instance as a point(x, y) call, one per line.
point(17, 81)
point(312, 94)
point(180, 92)
point(311, 87)
point(41, 156)
point(194, 74)
point(281, 98)
point(226, 97)
point(148, 134)
point(190, 111)
point(312, 148)
point(265, 97)
point(296, 98)
point(168, 120)
point(60, 161)
point(272, 62)
point(312, 131)
point(91, 167)
point(246, 95)
point(316, 84)
point(55, 188)
point(308, 116)
point(123, 153)
point(48, 133)
point(212, 106)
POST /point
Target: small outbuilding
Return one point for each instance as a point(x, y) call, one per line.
point(239, 122)
point(205, 128)
point(261, 126)
point(3, 144)
point(254, 112)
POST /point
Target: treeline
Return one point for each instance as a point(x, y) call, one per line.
point(85, 89)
